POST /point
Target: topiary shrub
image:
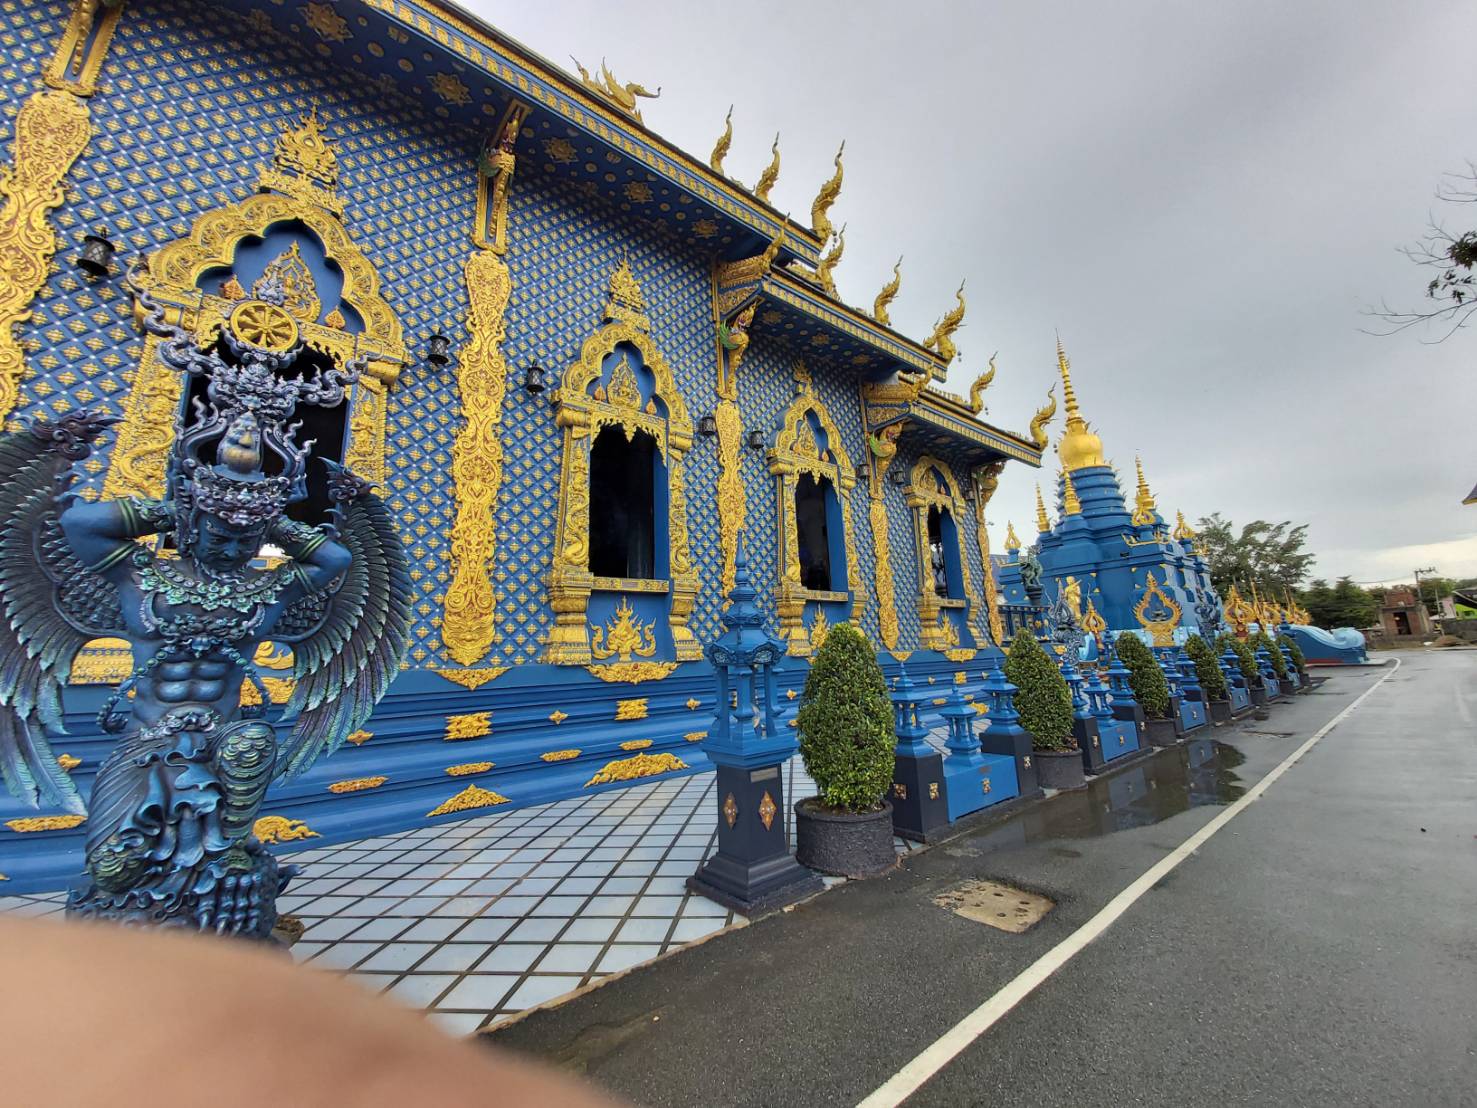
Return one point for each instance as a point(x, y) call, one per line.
point(1244, 651)
point(1207, 669)
point(1044, 700)
point(1150, 688)
point(1279, 661)
point(1298, 661)
point(845, 723)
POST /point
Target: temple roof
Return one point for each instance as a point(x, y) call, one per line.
point(469, 73)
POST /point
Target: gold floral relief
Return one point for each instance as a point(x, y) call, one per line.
point(639, 765)
point(51, 130)
point(468, 627)
point(921, 494)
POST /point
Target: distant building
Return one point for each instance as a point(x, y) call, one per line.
point(1403, 616)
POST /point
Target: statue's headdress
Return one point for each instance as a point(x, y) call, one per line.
point(246, 415)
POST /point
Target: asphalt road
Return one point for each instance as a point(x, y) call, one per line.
point(1320, 949)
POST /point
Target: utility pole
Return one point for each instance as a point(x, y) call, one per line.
point(1420, 592)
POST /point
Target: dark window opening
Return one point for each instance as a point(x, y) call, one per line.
point(1402, 623)
point(813, 532)
point(325, 428)
point(943, 553)
point(623, 505)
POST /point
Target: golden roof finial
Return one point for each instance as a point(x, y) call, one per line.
point(1070, 504)
point(771, 172)
point(1079, 447)
point(981, 383)
point(1144, 508)
point(773, 249)
point(820, 218)
point(1182, 530)
point(725, 140)
point(942, 339)
point(888, 294)
point(827, 265)
point(1042, 418)
point(1043, 524)
point(1012, 540)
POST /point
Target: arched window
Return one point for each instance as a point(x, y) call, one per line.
point(623, 505)
point(947, 599)
point(813, 481)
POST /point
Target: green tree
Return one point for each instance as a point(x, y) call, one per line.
point(1270, 556)
point(1145, 677)
point(1298, 661)
point(1452, 255)
point(1344, 605)
point(1044, 699)
point(845, 723)
point(1207, 669)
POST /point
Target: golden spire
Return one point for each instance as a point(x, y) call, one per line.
point(1144, 508)
point(942, 339)
point(1012, 541)
point(820, 218)
point(1079, 447)
point(888, 293)
point(1043, 524)
point(1070, 504)
point(725, 140)
point(828, 263)
point(771, 172)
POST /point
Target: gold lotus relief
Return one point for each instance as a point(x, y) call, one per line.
point(468, 768)
point(471, 725)
point(560, 755)
point(632, 672)
point(640, 765)
point(469, 799)
point(281, 829)
point(357, 784)
point(30, 824)
point(623, 635)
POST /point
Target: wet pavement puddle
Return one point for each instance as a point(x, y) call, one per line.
point(1197, 774)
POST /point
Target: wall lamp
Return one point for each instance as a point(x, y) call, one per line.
point(534, 379)
point(707, 426)
point(96, 258)
point(438, 350)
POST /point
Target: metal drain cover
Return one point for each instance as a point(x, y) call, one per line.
point(996, 905)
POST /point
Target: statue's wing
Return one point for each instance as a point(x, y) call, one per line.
point(352, 652)
point(50, 603)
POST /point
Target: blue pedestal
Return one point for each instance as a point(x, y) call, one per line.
point(1119, 738)
point(972, 783)
point(1192, 715)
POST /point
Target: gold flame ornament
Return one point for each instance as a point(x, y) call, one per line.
point(888, 294)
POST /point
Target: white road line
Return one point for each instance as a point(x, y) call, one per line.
point(912, 1076)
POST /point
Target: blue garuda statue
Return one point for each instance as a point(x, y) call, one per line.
point(169, 822)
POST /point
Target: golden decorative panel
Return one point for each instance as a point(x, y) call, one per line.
point(102, 662)
point(635, 708)
point(357, 784)
point(633, 672)
point(469, 799)
point(596, 392)
point(304, 175)
point(279, 690)
point(468, 768)
point(472, 725)
point(623, 635)
point(51, 131)
point(730, 810)
point(767, 809)
point(693, 704)
point(1161, 629)
point(359, 738)
point(472, 678)
point(556, 717)
point(639, 765)
point(560, 755)
point(79, 56)
point(636, 744)
point(695, 736)
point(281, 829)
point(29, 824)
point(921, 494)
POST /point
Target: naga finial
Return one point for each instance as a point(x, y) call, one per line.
point(725, 140)
point(888, 294)
point(773, 249)
point(942, 339)
point(820, 219)
point(827, 264)
point(981, 383)
point(1042, 418)
point(771, 172)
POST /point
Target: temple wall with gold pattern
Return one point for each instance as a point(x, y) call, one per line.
point(182, 168)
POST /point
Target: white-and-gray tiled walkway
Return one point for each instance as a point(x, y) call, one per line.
point(478, 920)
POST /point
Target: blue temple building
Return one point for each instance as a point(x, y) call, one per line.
point(1118, 564)
point(591, 361)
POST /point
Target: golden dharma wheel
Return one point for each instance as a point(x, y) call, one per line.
point(264, 325)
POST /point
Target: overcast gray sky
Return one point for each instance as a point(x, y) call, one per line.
point(1200, 197)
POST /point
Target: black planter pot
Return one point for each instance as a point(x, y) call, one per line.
point(843, 844)
point(1258, 695)
point(1163, 732)
point(1060, 769)
point(1305, 684)
point(1220, 711)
